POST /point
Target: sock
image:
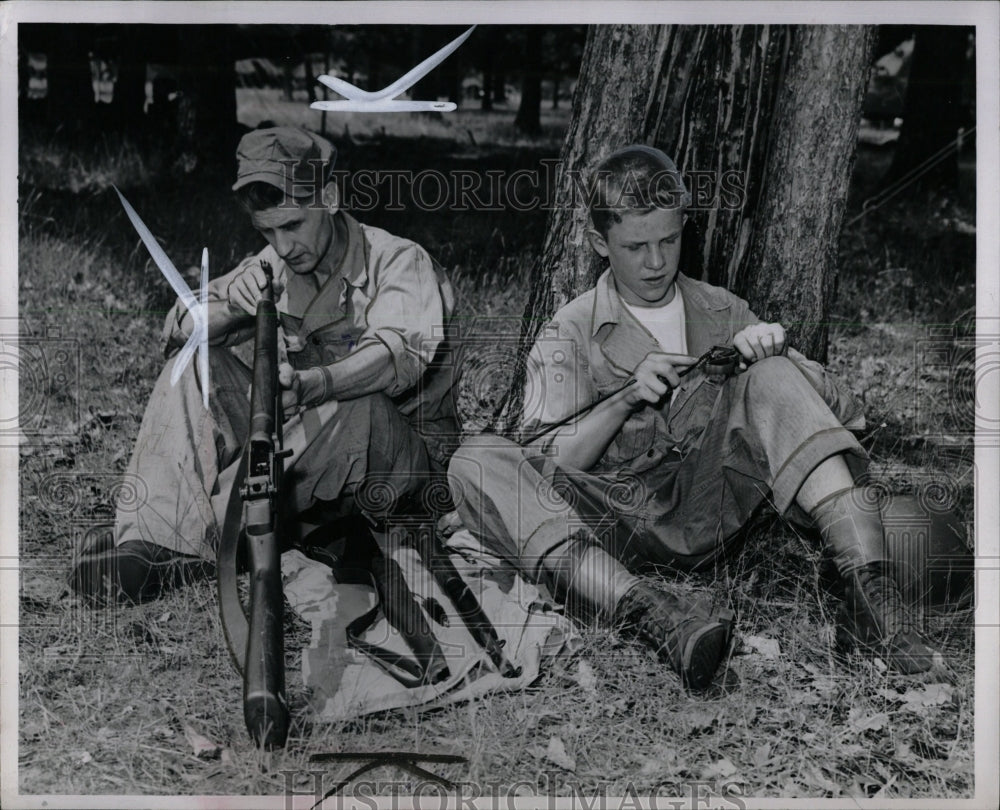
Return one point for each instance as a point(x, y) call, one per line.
point(588, 579)
point(851, 526)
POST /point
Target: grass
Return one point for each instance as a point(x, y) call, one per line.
point(106, 696)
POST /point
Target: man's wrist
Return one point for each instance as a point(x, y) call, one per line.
point(317, 386)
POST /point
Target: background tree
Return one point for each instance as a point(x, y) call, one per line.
point(528, 119)
point(129, 97)
point(563, 49)
point(70, 96)
point(764, 122)
point(208, 84)
point(939, 99)
point(491, 44)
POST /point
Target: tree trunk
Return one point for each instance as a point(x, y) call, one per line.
point(70, 96)
point(129, 100)
point(499, 87)
point(488, 59)
point(287, 79)
point(789, 272)
point(529, 119)
point(934, 110)
point(310, 78)
point(208, 82)
point(765, 139)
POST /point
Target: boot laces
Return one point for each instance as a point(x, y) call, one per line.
point(656, 615)
point(882, 593)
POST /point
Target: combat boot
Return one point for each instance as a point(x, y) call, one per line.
point(875, 618)
point(135, 571)
point(684, 634)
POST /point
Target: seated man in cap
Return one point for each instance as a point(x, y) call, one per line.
point(645, 464)
point(367, 401)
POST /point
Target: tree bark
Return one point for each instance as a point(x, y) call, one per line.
point(763, 122)
point(789, 271)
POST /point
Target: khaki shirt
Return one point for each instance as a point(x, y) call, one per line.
point(386, 290)
point(593, 344)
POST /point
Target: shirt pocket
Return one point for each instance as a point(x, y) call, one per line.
point(636, 436)
point(691, 410)
point(328, 345)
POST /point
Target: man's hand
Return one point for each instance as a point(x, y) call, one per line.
point(244, 290)
point(760, 340)
point(656, 375)
point(303, 388)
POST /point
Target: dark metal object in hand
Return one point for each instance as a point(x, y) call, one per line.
point(717, 361)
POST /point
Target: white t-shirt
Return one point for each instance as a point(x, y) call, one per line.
point(665, 323)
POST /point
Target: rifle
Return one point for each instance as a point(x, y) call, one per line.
point(253, 521)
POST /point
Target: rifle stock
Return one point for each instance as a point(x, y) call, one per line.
point(264, 706)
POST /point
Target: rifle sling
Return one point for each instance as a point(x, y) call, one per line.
point(405, 670)
point(235, 625)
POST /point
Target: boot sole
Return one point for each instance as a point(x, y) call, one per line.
point(703, 654)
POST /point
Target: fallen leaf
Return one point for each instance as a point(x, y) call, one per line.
point(662, 761)
point(586, 678)
point(556, 753)
point(825, 685)
point(766, 647)
point(817, 777)
point(615, 706)
point(202, 747)
point(84, 757)
point(722, 768)
point(699, 717)
point(761, 755)
point(804, 697)
point(934, 694)
point(226, 757)
point(860, 720)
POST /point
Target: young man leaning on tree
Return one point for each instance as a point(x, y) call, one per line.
point(668, 469)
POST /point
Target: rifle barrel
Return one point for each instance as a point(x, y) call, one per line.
point(264, 707)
